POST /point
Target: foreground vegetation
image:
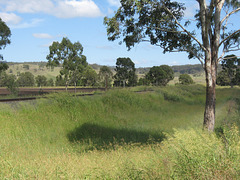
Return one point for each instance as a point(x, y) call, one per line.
point(121, 135)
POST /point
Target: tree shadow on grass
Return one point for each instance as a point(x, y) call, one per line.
point(99, 137)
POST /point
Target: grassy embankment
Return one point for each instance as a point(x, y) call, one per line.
point(120, 135)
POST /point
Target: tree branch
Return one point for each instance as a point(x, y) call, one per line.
point(229, 14)
point(186, 31)
point(228, 37)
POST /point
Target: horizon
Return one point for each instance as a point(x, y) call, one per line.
point(36, 24)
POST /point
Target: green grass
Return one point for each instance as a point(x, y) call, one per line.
point(117, 135)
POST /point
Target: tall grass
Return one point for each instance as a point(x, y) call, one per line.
point(119, 135)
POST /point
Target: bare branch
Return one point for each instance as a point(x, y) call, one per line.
point(229, 14)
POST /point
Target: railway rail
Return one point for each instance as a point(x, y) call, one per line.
point(36, 91)
point(40, 97)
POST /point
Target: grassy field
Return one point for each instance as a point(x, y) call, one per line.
point(121, 135)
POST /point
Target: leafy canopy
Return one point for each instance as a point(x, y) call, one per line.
point(185, 79)
point(125, 72)
point(160, 75)
point(69, 56)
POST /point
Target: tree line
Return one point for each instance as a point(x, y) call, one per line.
point(162, 23)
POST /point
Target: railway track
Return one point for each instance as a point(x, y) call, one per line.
point(35, 91)
point(41, 97)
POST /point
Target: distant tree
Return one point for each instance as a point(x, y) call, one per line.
point(26, 66)
point(185, 79)
point(89, 77)
point(105, 76)
point(12, 85)
point(5, 34)
point(3, 66)
point(3, 79)
point(60, 81)
point(230, 65)
point(26, 79)
point(160, 75)
point(125, 73)
point(143, 82)
point(41, 80)
point(50, 82)
point(69, 55)
point(223, 79)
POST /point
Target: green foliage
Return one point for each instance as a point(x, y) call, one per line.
point(230, 71)
point(26, 79)
point(5, 34)
point(185, 79)
point(140, 20)
point(60, 81)
point(50, 82)
point(105, 76)
point(11, 84)
point(3, 67)
point(89, 77)
point(125, 73)
point(143, 82)
point(160, 75)
point(26, 66)
point(41, 80)
point(70, 56)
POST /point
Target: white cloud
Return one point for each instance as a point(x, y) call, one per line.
point(42, 36)
point(114, 2)
point(73, 8)
point(10, 18)
point(58, 8)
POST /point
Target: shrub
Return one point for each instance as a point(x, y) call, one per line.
point(185, 79)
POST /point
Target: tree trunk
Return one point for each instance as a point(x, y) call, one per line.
point(75, 86)
point(209, 114)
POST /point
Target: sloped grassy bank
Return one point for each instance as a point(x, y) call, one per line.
point(121, 135)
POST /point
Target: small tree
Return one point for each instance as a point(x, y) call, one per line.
point(143, 81)
point(160, 75)
point(105, 76)
point(125, 73)
point(89, 77)
point(12, 84)
point(50, 82)
point(41, 80)
point(26, 79)
point(26, 66)
point(185, 79)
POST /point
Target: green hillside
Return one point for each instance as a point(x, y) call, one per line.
point(120, 135)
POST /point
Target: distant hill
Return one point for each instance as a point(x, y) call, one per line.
point(39, 68)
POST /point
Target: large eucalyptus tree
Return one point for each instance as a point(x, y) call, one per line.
point(161, 23)
point(69, 56)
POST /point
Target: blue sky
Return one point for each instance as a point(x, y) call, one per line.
point(35, 24)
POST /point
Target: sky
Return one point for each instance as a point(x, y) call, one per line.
point(35, 24)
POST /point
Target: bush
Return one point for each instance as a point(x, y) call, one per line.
point(185, 79)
